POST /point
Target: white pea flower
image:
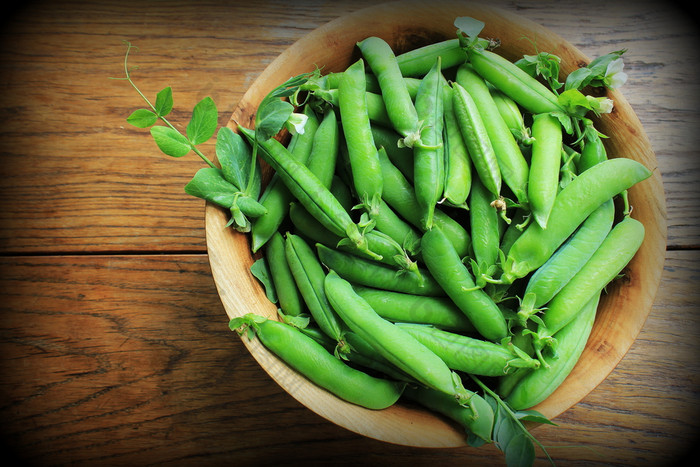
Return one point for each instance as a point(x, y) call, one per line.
point(614, 76)
point(600, 105)
point(296, 123)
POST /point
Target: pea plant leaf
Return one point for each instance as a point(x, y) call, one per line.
point(603, 71)
point(209, 184)
point(271, 116)
point(170, 141)
point(164, 102)
point(234, 157)
point(204, 121)
point(543, 64)
point(261, 272)
point(142, 118)
point(469, 29)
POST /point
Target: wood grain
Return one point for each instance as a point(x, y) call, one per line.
point(114, 342)
point(127, 360)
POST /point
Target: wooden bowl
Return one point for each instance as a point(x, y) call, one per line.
point(407, 25)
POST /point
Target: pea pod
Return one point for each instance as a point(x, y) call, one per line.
point(440, 312)
point(374, 274)
point(477, 139)
point(618, 248)
point(544, 166)
point(400, 156)
point(485, 228)
point(309, 190)
point(313, 361)
point(470, 355)
point(324, 149)
point(394, 344)
point(508, 78)
point(388, 222)
point(382, 61)
point(549, 279)
point(480, 427)
point(288, 294)
point(392, 254)
point(458, 168)
point(376, 107)
point(362, 153)
point(511, 162)
point(593, 153)
point(276, 196)
point(513, 117)
point(309, 276)
point(400, 195)
point(428, 153)
point(447, 269)
point(572, 206)
point(539, 384)
point(418, 62)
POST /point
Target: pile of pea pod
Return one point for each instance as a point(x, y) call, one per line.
point(434, 224)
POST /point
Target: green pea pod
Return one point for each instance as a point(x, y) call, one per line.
point(511, 162)
point(362, 153)
point(325, 148)
point(314, 362)
point(572, 206)
point(388, 222)
point(392, 254)
point(447, 269)
point(309, 275)
point(522, 340)
point(400, 195)
point(470, 355)
point(376, 107)
point(544, 166)
point(539, 384)
point(400, 156)
point(309, 190)
point(288, 294)
point(614, 253)
point(444, 404)
point(513, 117)
point(382, 61)
point(485, 228)
point(396, 307)
point(428, 154)
point(549, 278)
point(593, 153)
point(417, 62)
point(394, 344)
point(508, 78)
point(477, 139)
point(458, 168)
point(276, 196)
point(374, 274)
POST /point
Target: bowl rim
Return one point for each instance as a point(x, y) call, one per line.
point(388, 425)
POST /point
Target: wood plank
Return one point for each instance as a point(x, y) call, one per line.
point(78, 178)
point(128, 360)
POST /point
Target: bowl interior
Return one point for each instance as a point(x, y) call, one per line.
point(406, 25)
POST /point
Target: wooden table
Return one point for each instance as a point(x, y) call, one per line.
point(115, 347)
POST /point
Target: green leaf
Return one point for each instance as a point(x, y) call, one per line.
point(170, 141)
point(203, 122)
point(209, 184)
point(261, 272)
point(142, 118)
point(234, 156)
point(533, 416)
point(520, 451)
point(164, 101)
point(470, 26)
point(271, 116)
